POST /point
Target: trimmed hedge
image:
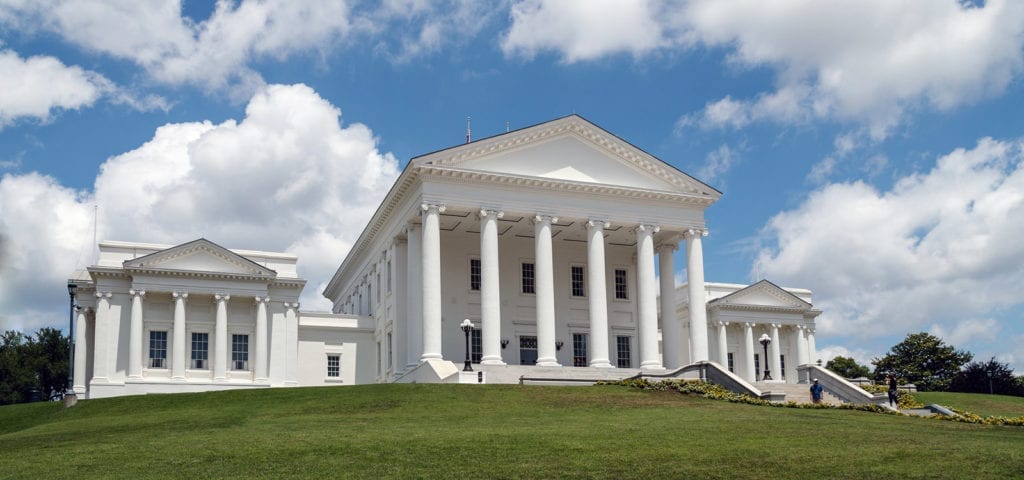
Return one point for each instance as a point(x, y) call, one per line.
point(717, 392)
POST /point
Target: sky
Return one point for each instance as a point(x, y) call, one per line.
point(870, 151)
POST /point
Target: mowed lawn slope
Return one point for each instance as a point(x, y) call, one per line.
point(471, 431)
point(977, 403)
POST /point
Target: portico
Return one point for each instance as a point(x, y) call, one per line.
point(544, 237)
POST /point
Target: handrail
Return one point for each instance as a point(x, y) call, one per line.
point(840, 387)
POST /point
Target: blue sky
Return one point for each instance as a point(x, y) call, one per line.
point(869, 151)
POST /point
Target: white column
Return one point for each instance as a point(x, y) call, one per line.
point(260, 367)
point(597, 294)
point(812, 355)
point(178, 337)
point(291, 356)
point(102, 357)
point(81, 350)
point(695, 290)
point(544, 273)
point(773, 351)
point(135, 335)
point(723, 344)
point(671, 330)
point(431, 285)
point(399, 270)
point(490, 301)
point(801, 346)
point(414, 295)
point(220, 349)
point(748, 352)
point(278, 340)
point(647, 295)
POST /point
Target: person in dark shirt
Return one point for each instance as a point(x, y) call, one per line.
point(890, 380)
point(816, 391)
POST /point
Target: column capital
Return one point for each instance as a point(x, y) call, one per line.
point(221, 297)
point(486, 212)
point(671, 245)
point(647, 227)
point(104, 294)
point(695, 232)
point(601, 224)
point(721, 323)
point(84, 310)
point(260, 300)
point(749, 324)
point(291, 305)
point(542, 219)
point(810, 330)
point(427, 207)
point(136, 293)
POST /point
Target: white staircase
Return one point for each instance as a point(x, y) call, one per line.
point(797, 392)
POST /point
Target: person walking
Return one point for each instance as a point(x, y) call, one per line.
point(890, 380)
point(816, 390)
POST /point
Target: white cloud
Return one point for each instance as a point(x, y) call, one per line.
point(287, 177)
point(967, 331)
point(940, 248)
point(829, 352)
point(583, 30)
point(717, 164)
point(214, 54)
point(868, 61)
point(36, 87)
point(406, 29)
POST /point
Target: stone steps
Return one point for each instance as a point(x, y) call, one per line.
point(797, 392)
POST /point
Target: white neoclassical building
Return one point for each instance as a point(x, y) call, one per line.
point(549, 239)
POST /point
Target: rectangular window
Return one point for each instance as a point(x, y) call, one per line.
point(389, 276)
point(239, 352)
point(579, 349)
point(157, 349)
point(622, 348)
point(200, 350)
point(369, 299)
point(579, 289)
point(528, 285)
point(782, 366)
point(757, 366)
point(476, 348)
point(474, 274)
point(621, 287)
point(378, 288)
point(732, 366)
point(390, 355)
point(333, 366)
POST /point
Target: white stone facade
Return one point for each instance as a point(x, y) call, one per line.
point(547, 238)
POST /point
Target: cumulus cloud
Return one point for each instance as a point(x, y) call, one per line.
point(36, 87)
point(420, 27)
point(287, 177)
point(717, 164)
point(583, 30)
point(938, 251)
point(867, 62)
point(214, 54)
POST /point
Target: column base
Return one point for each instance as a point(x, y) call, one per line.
point(178, 379)
point(491, 361)
point(601, 364)
point(220, 380)
point(430, 356)
point(134, 377)
point(548, 363)
point(649, 365)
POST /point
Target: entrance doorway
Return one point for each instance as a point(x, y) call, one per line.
point(527, 350)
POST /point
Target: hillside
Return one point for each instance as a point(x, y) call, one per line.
point(463, 431)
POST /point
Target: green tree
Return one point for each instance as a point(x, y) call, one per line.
point(924, 360)
point(37, 362)
point(848, 367)
point(974, 378)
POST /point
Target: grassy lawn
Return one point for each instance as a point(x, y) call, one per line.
point(981, 404)
point(466, 431)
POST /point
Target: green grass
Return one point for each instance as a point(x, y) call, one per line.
point(471, 431)
point(981, 404)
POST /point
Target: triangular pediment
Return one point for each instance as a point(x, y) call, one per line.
point(570, 149)
point(199, 256)
point(762, 294)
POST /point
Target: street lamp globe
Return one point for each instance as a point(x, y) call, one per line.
point(765, 340)
point(467, 326)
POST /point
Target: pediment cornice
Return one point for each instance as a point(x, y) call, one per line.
point(157, 262)
point(737, 299)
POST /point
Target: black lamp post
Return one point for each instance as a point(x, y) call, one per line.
point(765, 340)
point(72, 287)
point(989, 373)
point(467, 326)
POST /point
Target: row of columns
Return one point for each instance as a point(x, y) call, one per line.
point(804, 348)
point(426, 246)
point(136, 362)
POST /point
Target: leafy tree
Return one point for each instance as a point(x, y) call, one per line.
point(37, 362)
point(848, 367)
point(924, 360)
point(974, 378)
